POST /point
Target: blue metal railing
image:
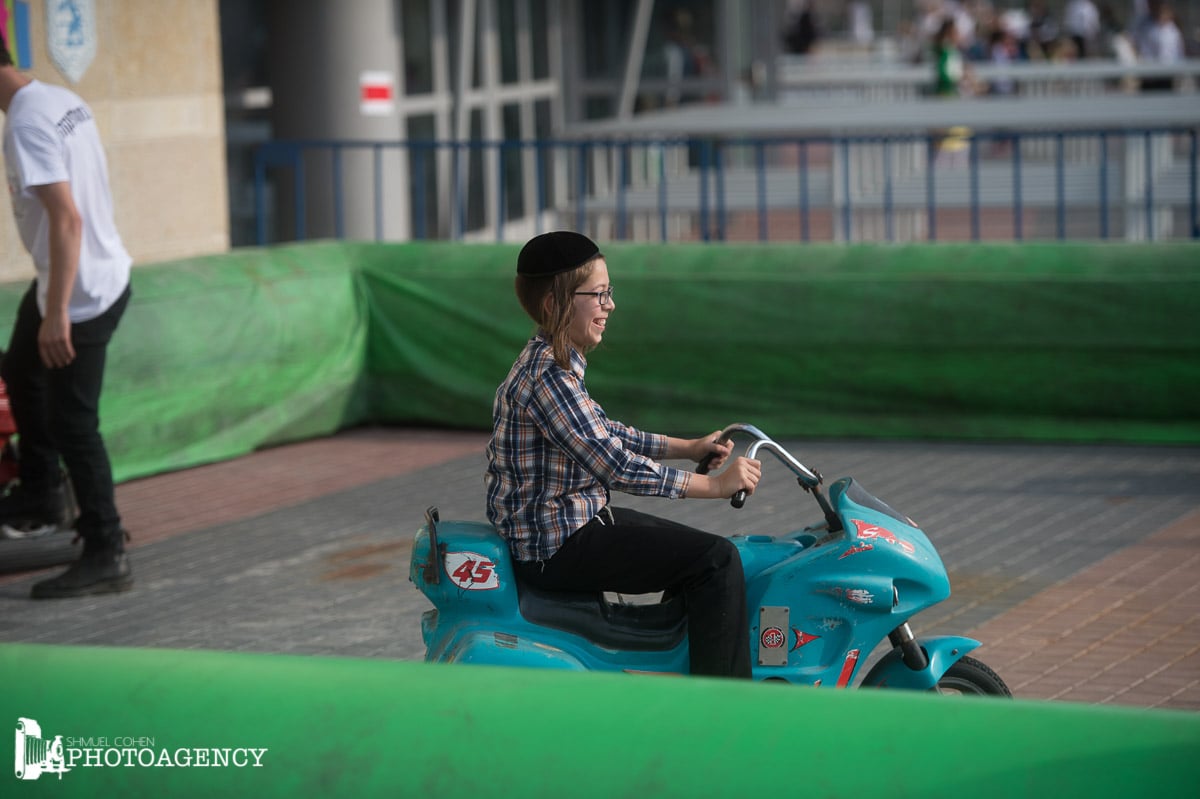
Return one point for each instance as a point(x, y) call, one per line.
point(1095, 184)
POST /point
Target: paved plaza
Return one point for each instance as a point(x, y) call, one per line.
point(1076, 565)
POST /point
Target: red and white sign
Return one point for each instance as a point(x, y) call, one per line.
point(377, 93)
point(471, 571)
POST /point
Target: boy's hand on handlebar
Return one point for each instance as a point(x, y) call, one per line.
point(743, 473)
point(711, 444)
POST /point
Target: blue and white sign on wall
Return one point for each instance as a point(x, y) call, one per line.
point(71, 35)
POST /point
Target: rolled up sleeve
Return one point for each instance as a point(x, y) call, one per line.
point(619, 456)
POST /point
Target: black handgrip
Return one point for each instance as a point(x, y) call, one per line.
point(739, 498)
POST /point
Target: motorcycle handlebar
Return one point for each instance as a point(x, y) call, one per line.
point(807, 476)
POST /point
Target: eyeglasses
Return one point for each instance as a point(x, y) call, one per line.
point(603, 297)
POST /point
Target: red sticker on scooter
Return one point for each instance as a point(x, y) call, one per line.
point(774, 638)
point(875, 531)
point(471, 571)
point(848, 668)
point(803, 638)
point(854, 550)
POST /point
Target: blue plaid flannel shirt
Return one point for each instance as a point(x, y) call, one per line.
point(554, 455)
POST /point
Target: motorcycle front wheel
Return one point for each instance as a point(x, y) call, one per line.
point(970, 677)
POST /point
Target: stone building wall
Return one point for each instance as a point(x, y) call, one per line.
point(154, 85)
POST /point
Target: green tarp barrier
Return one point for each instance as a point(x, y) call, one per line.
point(221, 355)
point(1074, 342)
point(315, 726)
point(218, 356)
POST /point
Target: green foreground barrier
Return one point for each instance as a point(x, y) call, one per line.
point(221, 355)
point(140, 723)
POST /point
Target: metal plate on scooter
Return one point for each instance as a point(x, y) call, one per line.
point(773, 635)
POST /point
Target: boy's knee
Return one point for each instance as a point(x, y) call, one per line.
point(724, 554)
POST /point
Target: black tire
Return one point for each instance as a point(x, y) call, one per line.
point(970, 677)
point(31, 554)
point(45, 549)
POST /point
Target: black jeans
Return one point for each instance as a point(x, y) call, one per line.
point(57, 411)
point(636, 553)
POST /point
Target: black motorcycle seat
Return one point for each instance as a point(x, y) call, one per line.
point(639, 628)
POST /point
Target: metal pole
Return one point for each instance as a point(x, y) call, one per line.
point(634, 58)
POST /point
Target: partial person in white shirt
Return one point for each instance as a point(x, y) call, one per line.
point(54, 365)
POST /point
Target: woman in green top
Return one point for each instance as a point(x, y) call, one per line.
point(948, 60)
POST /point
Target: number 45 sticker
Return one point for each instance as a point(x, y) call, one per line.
point(471, 571)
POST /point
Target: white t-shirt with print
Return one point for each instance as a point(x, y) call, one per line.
point(51, 137)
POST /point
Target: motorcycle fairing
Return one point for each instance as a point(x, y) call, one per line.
point(846, 589)
point(942, 651)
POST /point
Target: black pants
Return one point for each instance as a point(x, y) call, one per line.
point(640, 554)
point(57, 411)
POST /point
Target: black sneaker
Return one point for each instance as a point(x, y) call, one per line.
point(103, 568)
point(27, 512)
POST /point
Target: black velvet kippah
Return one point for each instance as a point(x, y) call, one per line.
point(558, 251)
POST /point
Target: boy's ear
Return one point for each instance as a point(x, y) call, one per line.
point(547, 306)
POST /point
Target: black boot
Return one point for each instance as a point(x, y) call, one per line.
point(103, 568)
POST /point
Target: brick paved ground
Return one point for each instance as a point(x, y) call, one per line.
point(1075, 565)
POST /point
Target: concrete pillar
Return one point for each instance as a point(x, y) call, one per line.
point(319, 53)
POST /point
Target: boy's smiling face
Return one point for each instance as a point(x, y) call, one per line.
point(587, 329)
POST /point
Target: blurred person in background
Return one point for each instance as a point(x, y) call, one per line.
point(1081, 22)
point(1115, 40)
point(685, 56)
point(952, 76)
point(1117, 44)
point(1002, 51)
point(800, 31)
point(1159, 41)
point(1016, 22)
point(862, 27)
point(1043, 31)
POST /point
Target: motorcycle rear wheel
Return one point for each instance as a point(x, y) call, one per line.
point(971, 677)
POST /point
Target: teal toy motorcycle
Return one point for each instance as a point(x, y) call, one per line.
point(820, 600)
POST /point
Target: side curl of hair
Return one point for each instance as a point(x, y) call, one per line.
point(550, 302)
